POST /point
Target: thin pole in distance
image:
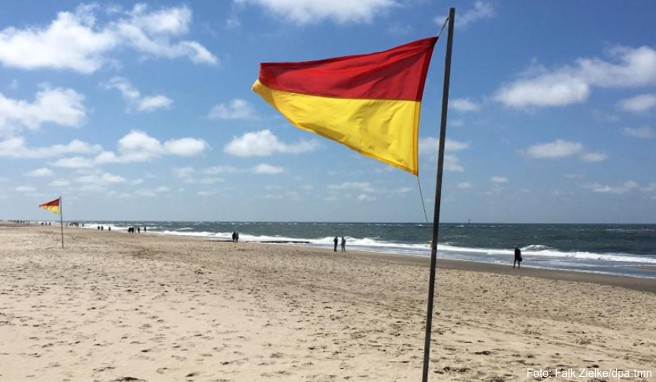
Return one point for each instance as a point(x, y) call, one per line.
point(61, 219)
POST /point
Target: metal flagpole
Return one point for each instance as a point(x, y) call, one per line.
point(438, 195)
point(61, 219)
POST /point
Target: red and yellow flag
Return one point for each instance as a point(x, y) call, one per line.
point(52, 206)
point(368, 102)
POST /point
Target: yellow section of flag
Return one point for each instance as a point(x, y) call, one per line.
point(377, 128)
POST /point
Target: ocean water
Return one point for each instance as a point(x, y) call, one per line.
point(623, 249)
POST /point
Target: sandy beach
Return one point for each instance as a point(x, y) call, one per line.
point(113, 306)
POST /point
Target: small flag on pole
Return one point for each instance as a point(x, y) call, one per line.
point(52, 206)
point(368, 102)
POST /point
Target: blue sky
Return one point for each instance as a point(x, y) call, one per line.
point(134, 111)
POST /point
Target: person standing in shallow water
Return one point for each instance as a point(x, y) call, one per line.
point(518, 258)
point(343, 244)
point(335, 241)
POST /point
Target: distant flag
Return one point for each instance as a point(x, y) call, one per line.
point(52, 206)
point(368, 102)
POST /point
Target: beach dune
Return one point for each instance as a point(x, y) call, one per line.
point(112, 306)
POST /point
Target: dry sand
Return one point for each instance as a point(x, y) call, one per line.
point(113, 306)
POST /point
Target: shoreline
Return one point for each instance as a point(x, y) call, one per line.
point(639, 270)
point(625, 281)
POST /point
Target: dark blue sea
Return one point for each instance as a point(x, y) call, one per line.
point(620, 249)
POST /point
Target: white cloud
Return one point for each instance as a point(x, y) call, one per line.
point(97, 182)
point(311, 11)
point(173, 21)
point(138, 146)
point(74, 162)
point(358, 186)
point(626, 68)
point(40, 172)
point(236, 109)
point(452, 163)
point(134, 97)
point(553, 89)
point(183, 172)
point(561, 149)
point(59, 106)
point(154, 102)
point(464, 186)
point(499, 179)
point(403, 190)
point(429, 147)
point(15, 148)
point(638, 104)
point(185, 147)
point(150, 193)
point(100, 179)
point(362, 191)
point(233, 22)
point(206, 193)
point(59, 183)
point(613, 189)
point(366, 198)
point(265, 143)
point(593, 157)
point(267, 169)
point(644, 132)
point(69, 42)
point(649, 188)
point(25, 189)
point(187, 174)
point(463, 104)
point(158, 45)
point(210, 180)
point(556, 149)
point(76, 41)
point(481, 11)
point(216, 170)
point(125, 87)
point(633, 67)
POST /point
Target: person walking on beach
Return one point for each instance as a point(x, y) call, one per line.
point(518, 258)
point(343, 244)
point(335, 240)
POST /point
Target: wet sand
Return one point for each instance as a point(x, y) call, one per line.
point(113, 306)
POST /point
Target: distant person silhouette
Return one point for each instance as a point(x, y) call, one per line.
point(518, 258)
point(336, 240)
point(343, 244)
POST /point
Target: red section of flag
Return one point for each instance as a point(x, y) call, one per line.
point(394, 74)
point(52, 203)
